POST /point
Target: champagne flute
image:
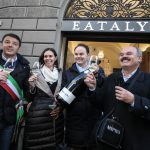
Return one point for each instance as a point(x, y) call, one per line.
point(36, 68)
point(52, 106)
point(9, 66)
point(94, 63)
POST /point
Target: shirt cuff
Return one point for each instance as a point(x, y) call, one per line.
point(92, 89)
point(132, 105)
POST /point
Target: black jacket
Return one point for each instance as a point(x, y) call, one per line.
point(7, 104)
point(42, 131)
point(81, 115)
point(136, 120)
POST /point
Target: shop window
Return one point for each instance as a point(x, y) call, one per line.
point(108, 53)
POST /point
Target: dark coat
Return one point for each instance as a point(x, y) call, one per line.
point(136, 120)
point(42, 132)
point(81, 115)
point(7, 104)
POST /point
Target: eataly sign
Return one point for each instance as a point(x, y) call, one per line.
point(107, 26)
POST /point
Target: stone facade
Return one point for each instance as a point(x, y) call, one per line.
point(36, 22)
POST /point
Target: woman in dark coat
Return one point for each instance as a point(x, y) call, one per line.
point(44, 126)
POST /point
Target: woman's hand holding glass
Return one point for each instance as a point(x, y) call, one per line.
point(32, 79)
point(36, 68)
point(34, 74)
point(55, 110)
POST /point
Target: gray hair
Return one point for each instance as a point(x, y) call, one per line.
point(138, 51)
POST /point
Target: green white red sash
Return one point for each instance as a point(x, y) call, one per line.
point(12, 87)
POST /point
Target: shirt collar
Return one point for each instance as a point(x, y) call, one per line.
point(125, 78)
point(4, 58)
point(81, 69)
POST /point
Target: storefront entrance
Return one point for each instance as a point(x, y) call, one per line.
point(108, 53)
point(107, 48)
point(106, 27)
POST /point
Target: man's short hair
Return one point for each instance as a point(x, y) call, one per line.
point(12, 35)
point(83, 45)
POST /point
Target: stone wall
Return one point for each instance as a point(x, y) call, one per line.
point(35, 21)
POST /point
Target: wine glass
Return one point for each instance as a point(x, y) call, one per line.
point(94, 63)
point(52, 106)
point(36, 68)
point(9, 66)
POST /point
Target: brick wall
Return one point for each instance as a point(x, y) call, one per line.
point(35, 21)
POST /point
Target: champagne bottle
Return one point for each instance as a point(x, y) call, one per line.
point(67, 95)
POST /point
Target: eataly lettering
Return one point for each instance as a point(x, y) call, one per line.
point(114, 27)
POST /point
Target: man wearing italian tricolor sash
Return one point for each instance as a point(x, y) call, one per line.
point(14, 72)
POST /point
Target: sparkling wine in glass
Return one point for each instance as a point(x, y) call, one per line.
point(36, 68)
point(9, 66)
point(52, 106)
point(94, 63)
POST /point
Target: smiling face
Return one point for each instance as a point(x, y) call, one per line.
point(49, 59)
point(10, 46)
point(129, 58)
point(81, 56)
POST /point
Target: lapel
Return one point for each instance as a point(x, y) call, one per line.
point(138, 81)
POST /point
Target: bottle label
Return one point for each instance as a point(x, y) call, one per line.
point(66, 95)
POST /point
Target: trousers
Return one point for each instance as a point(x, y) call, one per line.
point(5, 137)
